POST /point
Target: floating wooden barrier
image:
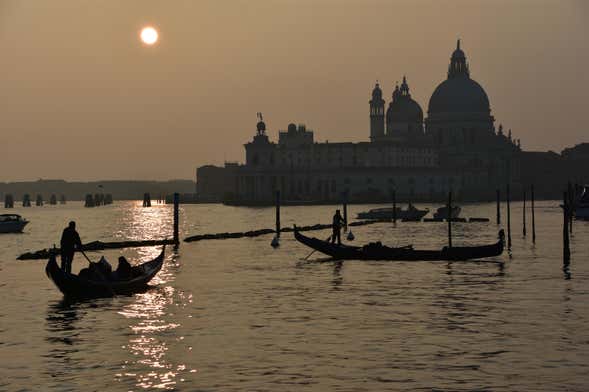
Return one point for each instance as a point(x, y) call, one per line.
point(463, 220)
point(256, 233)
point(95, 246)
point(433, 219)
point(479, 220)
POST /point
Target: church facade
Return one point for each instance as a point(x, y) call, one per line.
point(455, 148)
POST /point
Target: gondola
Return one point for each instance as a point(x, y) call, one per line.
point(73, 286)
point(376, 251)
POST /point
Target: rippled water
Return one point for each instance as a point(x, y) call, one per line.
point(237, 315)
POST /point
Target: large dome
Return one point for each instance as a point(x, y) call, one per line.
point(459, 93)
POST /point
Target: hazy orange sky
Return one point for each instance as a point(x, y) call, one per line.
point(82, 99)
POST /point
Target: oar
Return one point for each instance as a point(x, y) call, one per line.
point(84, 253)
point(309, 255)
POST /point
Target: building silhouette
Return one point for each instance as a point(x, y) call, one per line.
point(455, 148)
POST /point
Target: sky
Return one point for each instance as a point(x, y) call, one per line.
point(81, 98)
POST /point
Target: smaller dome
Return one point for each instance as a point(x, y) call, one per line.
point(292, 128)
point(261, 126)
point(403, 108)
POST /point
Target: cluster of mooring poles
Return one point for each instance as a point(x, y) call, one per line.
point(26, 201)
point(97, 200)
point(99, 245)
point(524, 212)
point(161, 199)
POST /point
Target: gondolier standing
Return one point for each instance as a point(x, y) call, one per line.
point(70, 240)
point(337, 223)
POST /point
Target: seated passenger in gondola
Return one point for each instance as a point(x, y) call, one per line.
point(124, 269)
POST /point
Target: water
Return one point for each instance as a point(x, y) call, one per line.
point(236, 315)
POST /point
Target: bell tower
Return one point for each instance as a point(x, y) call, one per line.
point(376, 114)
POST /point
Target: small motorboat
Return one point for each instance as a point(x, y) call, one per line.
point(377, 251)
point(12, 223)
point(442, 212)
point(388, 213)
point(74, 286)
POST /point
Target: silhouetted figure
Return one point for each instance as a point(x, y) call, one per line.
point(70, 240)
point(337, 223)
point(124, 269)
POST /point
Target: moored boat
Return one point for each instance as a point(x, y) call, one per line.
point(442, 212)
point(388, 213)
point(74, 286)
point(377, 251)
point(12, 223)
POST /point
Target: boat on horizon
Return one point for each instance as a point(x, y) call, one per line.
point(12, 223)
point(388, 213)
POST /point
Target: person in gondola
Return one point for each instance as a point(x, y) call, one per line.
point(337, 224)
point(70, 241)
point(124, 269)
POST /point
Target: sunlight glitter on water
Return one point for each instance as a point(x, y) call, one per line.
point(237, 315)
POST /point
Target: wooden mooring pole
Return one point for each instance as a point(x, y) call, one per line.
point(498, 206)
point(533, 216)
point(147, 200)
point(345, 215)
point(176, 216)
point(394, 206)
point(524, 214)
point(449, 219)
point(8, 201)
point(566, 251)
point(508, 218)
point(277, 213)
point(571, 205)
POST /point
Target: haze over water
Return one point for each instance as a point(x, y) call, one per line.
point(236, 315)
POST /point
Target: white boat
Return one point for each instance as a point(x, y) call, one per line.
point(12, 223)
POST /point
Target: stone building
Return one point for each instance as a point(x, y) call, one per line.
point(456, 147)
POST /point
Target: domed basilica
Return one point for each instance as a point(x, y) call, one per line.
point(456, 147)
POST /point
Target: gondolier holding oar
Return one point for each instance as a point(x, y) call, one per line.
point(70, 240)
point(338, 221)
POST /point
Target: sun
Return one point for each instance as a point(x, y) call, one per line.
point(149, 35)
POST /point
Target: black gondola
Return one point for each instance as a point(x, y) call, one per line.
point(73, 286)
point(376, 251)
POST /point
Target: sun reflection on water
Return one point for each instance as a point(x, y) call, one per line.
point(153, 330)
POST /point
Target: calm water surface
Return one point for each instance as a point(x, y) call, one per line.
point(236, 315)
